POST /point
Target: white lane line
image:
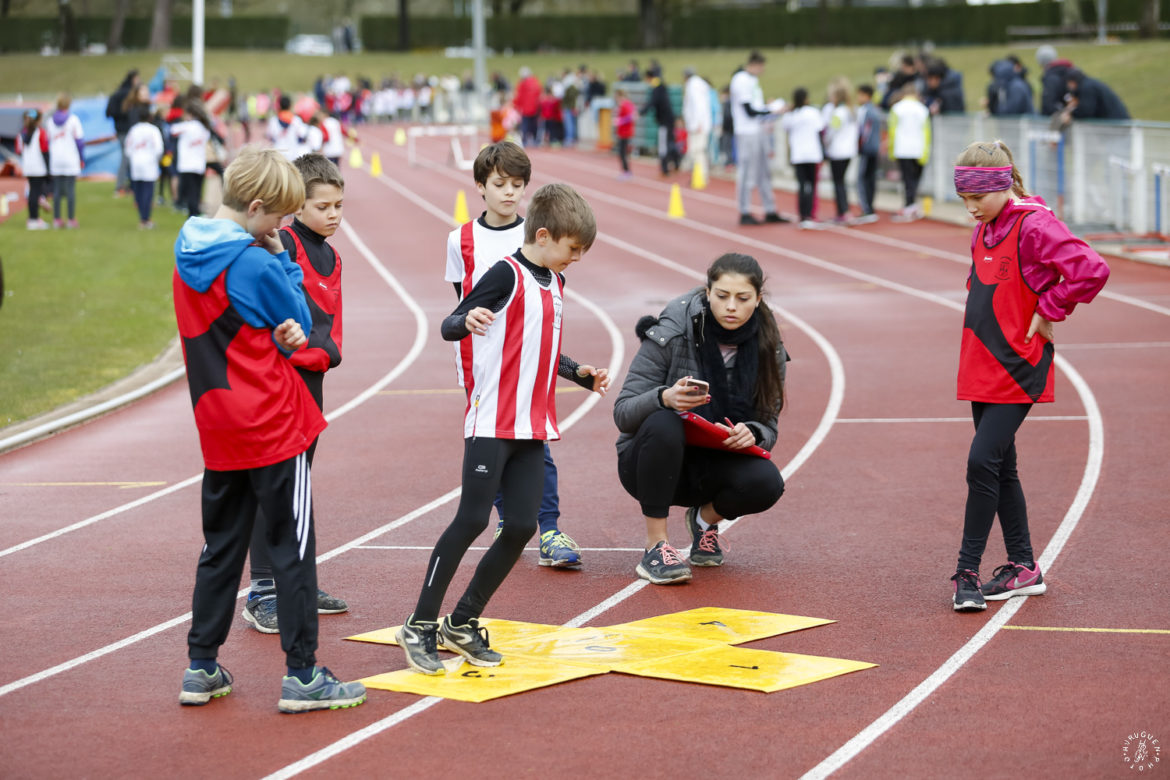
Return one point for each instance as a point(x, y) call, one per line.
point(1094, 458)
point(877, 238)
point(476, 548)
point(836, 395)
point(412, 355)
point(91, 411)
point(902, 708)
point(1038, 418)
point(399, 368)
point(617, 356)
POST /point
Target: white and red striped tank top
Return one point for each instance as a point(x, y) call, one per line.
point(511, 393)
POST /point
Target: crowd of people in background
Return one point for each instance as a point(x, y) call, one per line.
point(720, 123)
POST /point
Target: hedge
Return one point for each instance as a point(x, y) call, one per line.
point(252, 32)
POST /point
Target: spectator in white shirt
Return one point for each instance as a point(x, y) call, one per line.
point(66, 157)
point(804, 124)
point(840, 140)
point(144, 149)
point(748, 113)
point(909, 139)
point(696, 112)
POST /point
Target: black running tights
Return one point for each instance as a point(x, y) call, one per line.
point(513, 467)
point(993, 485)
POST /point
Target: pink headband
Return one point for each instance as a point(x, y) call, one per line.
point(971, 179)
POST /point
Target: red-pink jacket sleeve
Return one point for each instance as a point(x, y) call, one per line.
point(1062, 268)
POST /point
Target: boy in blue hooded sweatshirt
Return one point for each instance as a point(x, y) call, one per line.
point(241, 313)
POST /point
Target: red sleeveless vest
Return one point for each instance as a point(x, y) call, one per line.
point(323, 294)
point(995, 364)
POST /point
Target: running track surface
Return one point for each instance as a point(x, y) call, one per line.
point(873, 444)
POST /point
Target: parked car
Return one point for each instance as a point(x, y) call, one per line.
point(310, 45)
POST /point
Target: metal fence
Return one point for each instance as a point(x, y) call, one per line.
point(1097, 175)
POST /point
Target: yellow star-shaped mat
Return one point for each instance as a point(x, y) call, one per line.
point(696, 646)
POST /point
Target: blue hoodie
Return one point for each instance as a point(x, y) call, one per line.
point(264, 288)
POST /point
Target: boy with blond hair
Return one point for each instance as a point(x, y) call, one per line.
point(513, 317)
point(502, 171)
point(240, 313)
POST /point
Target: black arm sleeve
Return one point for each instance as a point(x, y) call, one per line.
point(492, 293)
point(567, 369)
point(458, 290)
point(747, 107)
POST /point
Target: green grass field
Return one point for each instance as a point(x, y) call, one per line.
point(82, 308)
point(1134, 70)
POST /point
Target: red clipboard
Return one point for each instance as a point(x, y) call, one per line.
point(701, 432)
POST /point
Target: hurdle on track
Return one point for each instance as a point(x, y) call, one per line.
point(457, 157)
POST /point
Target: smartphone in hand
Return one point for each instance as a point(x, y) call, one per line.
point(697, 387)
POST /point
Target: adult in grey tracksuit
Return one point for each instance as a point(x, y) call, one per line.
point(724, 334)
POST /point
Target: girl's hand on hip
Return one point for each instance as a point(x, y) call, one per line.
point(1041, 326)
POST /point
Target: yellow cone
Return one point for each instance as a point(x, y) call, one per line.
point(699, 175)
point(927, 205)
point(675, 211)
point(461, 215)
point(3, 205)
point(355, 158)
point(400, 137)
point(375, 165)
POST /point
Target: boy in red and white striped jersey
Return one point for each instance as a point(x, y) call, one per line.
point(502, 172)
point(513, 317)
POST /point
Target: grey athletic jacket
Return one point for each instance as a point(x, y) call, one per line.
point(670, 351)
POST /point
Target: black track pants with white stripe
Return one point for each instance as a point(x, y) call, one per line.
point(283, 493)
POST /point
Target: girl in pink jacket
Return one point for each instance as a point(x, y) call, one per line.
point(1027, 272)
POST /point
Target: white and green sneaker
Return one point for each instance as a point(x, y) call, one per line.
point(323, 692)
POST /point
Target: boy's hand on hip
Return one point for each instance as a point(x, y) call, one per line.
point(289, 335)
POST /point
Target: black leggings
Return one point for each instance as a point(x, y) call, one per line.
point(838, 168)
point(911, 174)
point(806, 188)
point(38, 186)
point(514, 467)
point(660, 471)
point(993, 485)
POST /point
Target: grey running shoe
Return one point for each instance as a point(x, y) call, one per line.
point(470, 641)
point(323, 692)
point(330, 605)
point(419, 639)
point(662, 565)
point(199, 687)
point(260, 612)
point(706, 549)
point(968, 596)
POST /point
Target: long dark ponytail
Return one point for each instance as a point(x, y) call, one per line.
point(769, 392)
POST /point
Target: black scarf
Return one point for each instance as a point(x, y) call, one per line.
point(732, 391)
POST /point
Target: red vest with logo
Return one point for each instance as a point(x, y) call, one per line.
point(251, 407)
point(996, 365)
point(323, 294)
